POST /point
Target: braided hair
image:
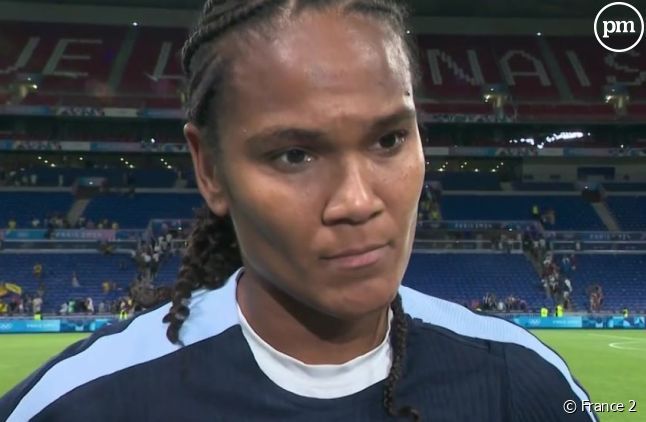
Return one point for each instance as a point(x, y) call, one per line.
point(212, 254)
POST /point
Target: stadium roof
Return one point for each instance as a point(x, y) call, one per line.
point(478, 8)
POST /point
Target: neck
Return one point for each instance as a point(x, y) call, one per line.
point(304, 333)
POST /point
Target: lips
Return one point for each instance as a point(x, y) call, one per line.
point(355, 258)
point(355, 251)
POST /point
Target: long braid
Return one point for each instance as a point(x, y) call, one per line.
point(211, 256)
point(398, 335)
point(212, 253)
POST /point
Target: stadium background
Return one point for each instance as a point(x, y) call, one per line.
point(535, 138)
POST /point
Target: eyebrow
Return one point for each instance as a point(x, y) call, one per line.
point(307, 135)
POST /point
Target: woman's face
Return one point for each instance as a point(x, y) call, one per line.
point(320, 157)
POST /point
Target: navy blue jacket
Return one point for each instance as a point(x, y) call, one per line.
point(460, 366)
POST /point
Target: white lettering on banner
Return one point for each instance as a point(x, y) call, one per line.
point(162, 63)
point(538, 72)
point(24, 57)
point(639, 75)
point(579, 71)
point(435, 56)
point(51, 68)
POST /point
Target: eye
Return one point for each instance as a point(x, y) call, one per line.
point(293, 157)
point(393, 140)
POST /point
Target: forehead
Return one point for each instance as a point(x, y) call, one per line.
point(316, 62)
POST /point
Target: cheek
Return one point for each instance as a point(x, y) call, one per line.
point(273, 219)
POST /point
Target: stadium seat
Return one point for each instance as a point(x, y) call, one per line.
point(137, 211)
point(24, 206)
point(462, 278)
point(544, 186)
point(91, 269)
point(630, 211)
point(465, 181)
point(572, 212)
point(620, 276)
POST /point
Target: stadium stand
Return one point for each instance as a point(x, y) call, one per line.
point(91, 130)
point(454, 67)
point(465, 181)
point(47, 176)
point(153, 68)
point(23, 206)
point(544, 186)
point(463, 278)
point(588, 69)
point(621, 276)
point(625, 187)
point(572, 212)
point(136, 211)
point(167, 273)
point(51, 45)
point(137, 67)
point(523, 67)
point(630, 211)
point(91, 269)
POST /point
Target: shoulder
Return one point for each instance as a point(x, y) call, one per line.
point(536, 373)
point(116, 348)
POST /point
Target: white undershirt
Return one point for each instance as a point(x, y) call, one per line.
point(319, 381)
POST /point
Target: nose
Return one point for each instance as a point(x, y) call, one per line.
point(353, 199)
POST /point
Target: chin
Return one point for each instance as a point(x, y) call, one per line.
point(358, 299)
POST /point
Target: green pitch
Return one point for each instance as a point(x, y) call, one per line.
point(20, 354)
point(610, 364)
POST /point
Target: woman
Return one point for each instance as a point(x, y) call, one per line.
point(303, 134)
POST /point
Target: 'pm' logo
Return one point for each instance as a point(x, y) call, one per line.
point(617, 25)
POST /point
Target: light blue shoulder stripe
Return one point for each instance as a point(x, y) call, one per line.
point(462, 321)
point(143, 340)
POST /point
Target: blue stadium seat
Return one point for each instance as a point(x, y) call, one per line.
point(91, 269)
point(544, 186)
point(464, 277)
point(630, 211)
point(23, 206)
point(456, 277)
point(137, 211)
point(465, 181)
point(116, 177)
point(167, 273)
point(620, 276)
point(625, 187)
point(572, 212)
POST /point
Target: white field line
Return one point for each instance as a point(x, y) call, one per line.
point(620, 345)
point(619, 337)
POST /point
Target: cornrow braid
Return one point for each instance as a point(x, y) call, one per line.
point(212, 254)
point(398, 335)
point(214, 25)
point(210, 258)
point(210, 4)
point(203, 67)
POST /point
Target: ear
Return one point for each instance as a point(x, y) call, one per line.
point(208, 181)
